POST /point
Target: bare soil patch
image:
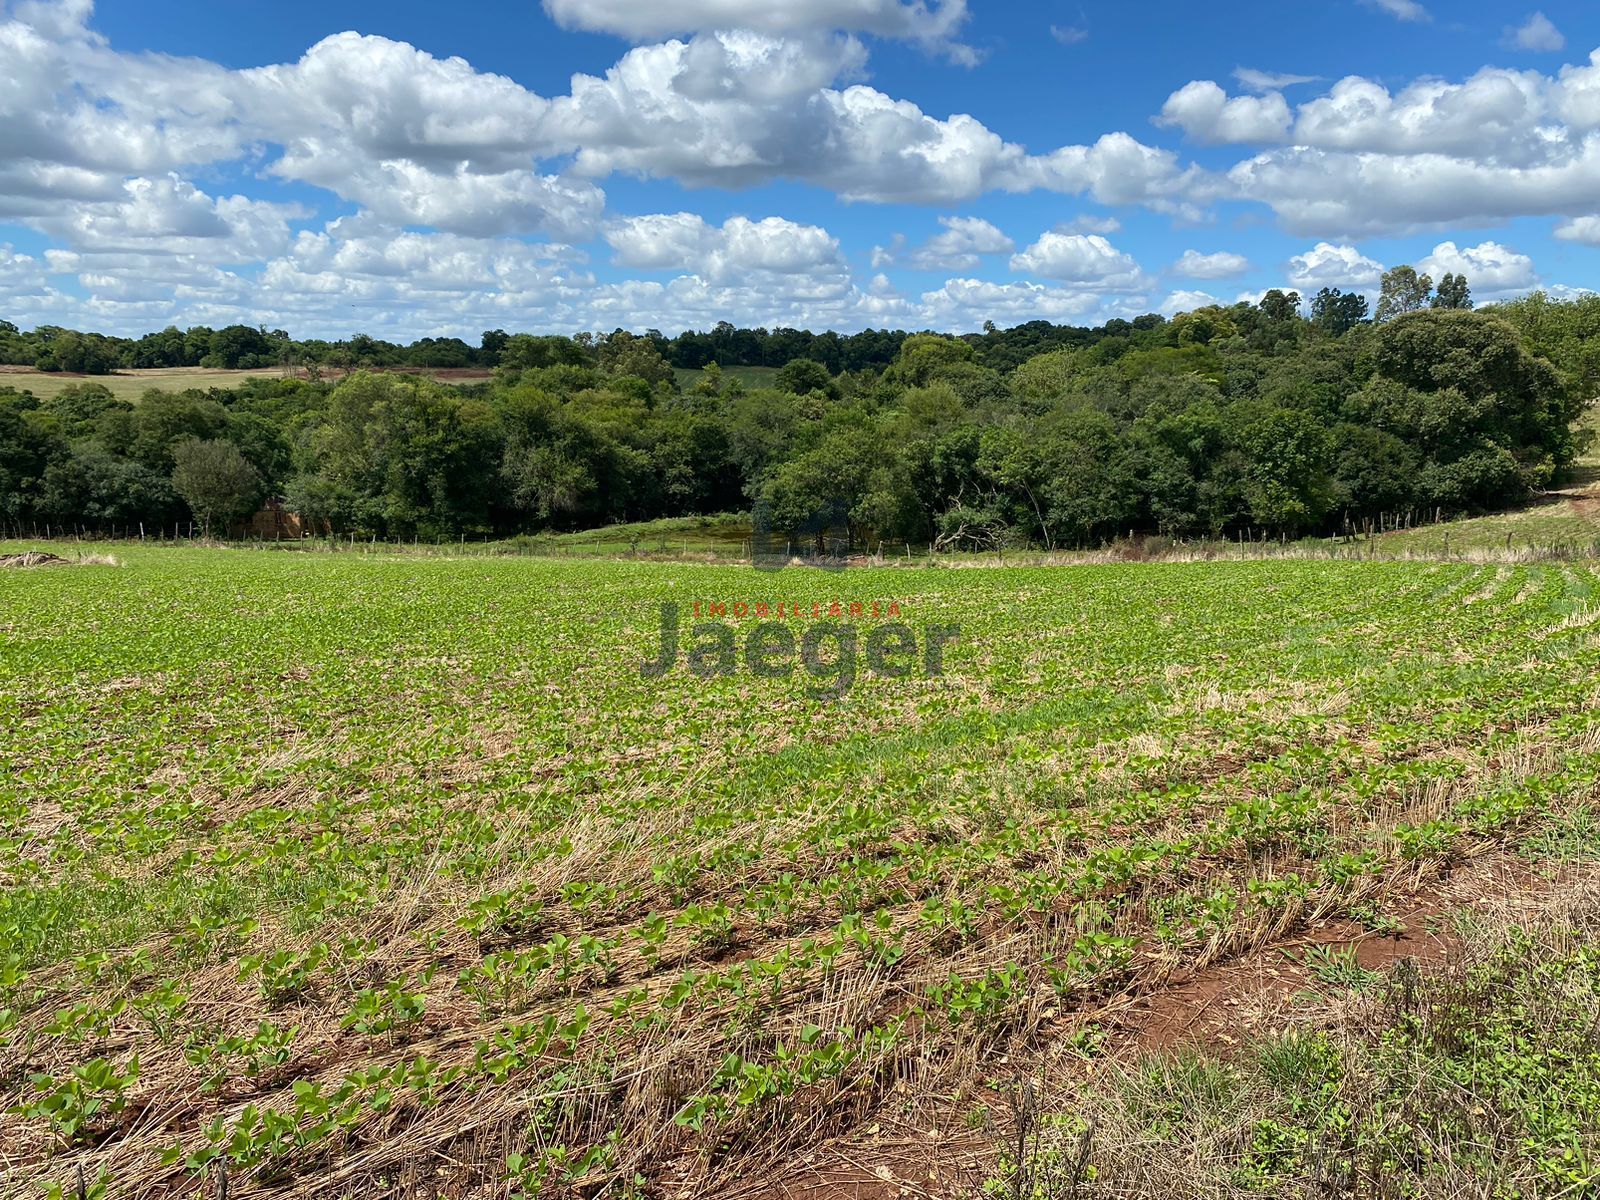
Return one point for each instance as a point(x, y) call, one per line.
point(1219, 1010)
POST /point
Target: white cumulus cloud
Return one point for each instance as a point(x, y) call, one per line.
point(741, 109)
point(1086, 259)
point(169, 215)
point(736, 250)
point(1089, 223)
point(1361, 159)
point(1203, 111)
point(1328, 266)
point(1185, 301)
point(1493, 270)
point(962, 245)
point(962, 305)
point(934, 24)
point(1580, 229)
point(470, 190)
point(1221, 265)
point(1539, 34)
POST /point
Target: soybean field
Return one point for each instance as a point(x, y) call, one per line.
point(344, 875)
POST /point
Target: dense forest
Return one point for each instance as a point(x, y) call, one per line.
point(1266, 419)
point(243, 347)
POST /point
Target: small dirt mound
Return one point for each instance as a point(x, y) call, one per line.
point(33, 558)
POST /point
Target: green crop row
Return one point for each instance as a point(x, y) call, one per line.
point(322, 867)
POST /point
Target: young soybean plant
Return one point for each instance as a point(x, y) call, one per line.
point(827, 651)
point(385, 1009)
point(715, 880)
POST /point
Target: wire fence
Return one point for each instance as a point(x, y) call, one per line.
point(1366, 546)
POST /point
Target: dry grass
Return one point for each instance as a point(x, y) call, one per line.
point(1428, 1084)
point(131, 383)
point(127, 384)
point(28, 560)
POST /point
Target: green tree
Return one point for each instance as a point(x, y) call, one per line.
point(1048, 377)
point(26, 452)
point(1286, 483)
point(81, 353)
point(215, 481)
point(1016, 466)
point(711, 382)
point(1336, 313)
point(1091, 492)
point(1203, 326)
point(923, 356)
point(1278, 305)
point(79, 408)
point(1490, 420)
point(1404, 291)
point(407, 456)
point(1567, 332)
point(820, 493)
point(102, 490)
point(547, 480)
point(238, 346)
point(802, 376)
point(264, 446)
point(196, 344)
point(149, 432)
point(623, 355)
point(491, 346)
point(1373, 472)
point(524, 351)
point(163, 349)
point(1454, 293)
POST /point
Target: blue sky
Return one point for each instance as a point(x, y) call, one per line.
point(413, 169)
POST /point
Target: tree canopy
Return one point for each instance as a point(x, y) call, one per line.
point(1249, 418)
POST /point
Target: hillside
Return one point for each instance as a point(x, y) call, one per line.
point(1564, 519)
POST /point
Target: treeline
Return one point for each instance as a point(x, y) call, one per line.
point(243, 347)
point(1251, 418)
point(236, 347)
